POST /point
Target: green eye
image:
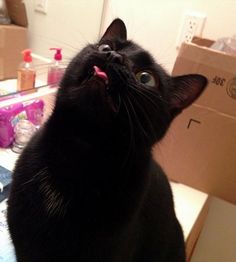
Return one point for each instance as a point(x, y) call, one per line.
point(146, 78)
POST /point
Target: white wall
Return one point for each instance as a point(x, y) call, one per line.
point(69, 24)
point(155, 24)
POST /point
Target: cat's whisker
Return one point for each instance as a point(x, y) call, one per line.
point(142, 95)
point(144, 113)
point(119, 103)
point(131, 143)
point(152, 93)
point(146, 96)
point(136, 118)
point(155, 106)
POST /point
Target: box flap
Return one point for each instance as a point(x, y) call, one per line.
point(202, 41)
point(205, 56)
point(17, 12)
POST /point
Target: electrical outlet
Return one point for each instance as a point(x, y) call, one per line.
point(193, 24)
point(40, 6)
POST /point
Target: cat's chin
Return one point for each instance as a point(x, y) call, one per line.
point(98, 85)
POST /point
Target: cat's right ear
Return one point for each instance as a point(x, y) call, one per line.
point(185, 91)
point(116, 30)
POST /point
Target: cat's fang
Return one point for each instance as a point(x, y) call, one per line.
point(98, 72)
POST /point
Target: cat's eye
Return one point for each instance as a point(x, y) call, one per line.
point(146, 78)
point(104, 48)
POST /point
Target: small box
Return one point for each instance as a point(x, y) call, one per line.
point(13, 39)
point(199, 150)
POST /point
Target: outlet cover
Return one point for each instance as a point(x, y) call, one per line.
point(192, 25)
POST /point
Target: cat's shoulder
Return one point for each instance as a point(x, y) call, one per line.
point(159, 180)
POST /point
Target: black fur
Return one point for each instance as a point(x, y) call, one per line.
point(86, 187)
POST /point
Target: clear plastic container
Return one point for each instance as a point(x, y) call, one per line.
point(4, 18)
point(226, 44)
point(24, 130)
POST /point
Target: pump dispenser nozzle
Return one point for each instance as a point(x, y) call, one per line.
point(27, 55)
point(58, 55)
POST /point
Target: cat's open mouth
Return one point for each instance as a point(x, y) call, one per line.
point(102, 76)
point(100, 73)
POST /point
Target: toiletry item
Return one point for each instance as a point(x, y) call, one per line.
point(34, 111)
point(56, 70)
point(26, 73)
point(24, 130)
point(8, 118)
point(11, 115)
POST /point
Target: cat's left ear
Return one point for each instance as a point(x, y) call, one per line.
point(116, 30)
point(185, 91)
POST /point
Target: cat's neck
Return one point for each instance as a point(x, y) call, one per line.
point(93, 150)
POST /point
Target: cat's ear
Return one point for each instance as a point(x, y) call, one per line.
point(116, 30)
point(185, 91)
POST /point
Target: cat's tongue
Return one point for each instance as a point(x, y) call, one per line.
point(98, 72)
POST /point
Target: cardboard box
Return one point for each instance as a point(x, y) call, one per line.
point(200, 148)
point(13, 39)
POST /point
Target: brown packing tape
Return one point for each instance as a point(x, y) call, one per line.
point(215, 111)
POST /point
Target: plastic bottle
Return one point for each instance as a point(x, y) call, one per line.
point(56, 70)
point(24, 130)
point(26, 72)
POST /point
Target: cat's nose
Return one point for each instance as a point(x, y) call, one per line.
point(114, 57)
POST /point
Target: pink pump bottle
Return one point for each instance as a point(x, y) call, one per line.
point(56, 70)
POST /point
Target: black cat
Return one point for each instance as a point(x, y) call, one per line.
point(86, 187)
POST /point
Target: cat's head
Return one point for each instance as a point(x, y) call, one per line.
point(117, 84)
